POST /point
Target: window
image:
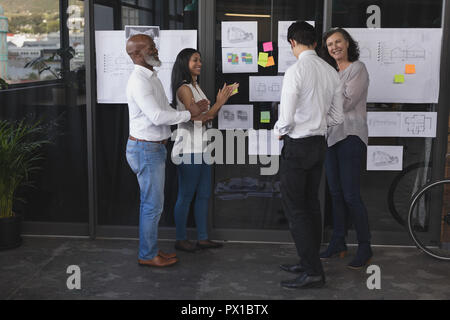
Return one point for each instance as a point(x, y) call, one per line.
point(30, 49)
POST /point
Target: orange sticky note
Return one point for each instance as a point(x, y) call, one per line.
point(270, 62)
point(410, 68)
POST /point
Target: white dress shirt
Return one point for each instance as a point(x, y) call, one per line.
point(311, 98)
point(150, 112)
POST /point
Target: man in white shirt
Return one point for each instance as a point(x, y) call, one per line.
point(311, 100)
point(150, 119)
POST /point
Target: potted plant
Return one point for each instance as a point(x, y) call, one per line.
point(3, 84)
point(20, 146)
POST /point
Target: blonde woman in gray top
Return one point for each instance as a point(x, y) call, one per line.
point(347, 144)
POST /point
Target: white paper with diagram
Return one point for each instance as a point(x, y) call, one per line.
point(402, 124)
point(236, 117)
point(265, 88)
point(239, 34)
point(240, 60)
point(403, 64)
point(384, 158)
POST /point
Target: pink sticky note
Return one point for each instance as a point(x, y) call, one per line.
point(267, 46)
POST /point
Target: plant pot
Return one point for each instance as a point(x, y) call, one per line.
point(10, 229)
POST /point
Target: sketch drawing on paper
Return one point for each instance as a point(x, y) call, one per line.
point(383, 159)
point(228, 115)
point(237, 35)
point(389, 55)
point(262, 88)
point(117, 64)
point(417, 124)
point(242, 115)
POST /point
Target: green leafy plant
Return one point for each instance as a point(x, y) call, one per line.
point(3, 84)
point(20, 146)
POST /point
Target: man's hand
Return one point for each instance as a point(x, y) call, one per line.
point(198, 108)
point(280, 137)
point(203, 105)
point(204, 117)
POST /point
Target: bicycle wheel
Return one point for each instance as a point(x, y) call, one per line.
point(431, 201)
point(404, 185)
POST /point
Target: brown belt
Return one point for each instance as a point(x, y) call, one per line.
point(140, 140)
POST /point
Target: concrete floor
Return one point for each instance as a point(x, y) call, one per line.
point(109, 270)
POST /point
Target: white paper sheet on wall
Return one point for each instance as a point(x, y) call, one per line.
point(165, 75)
point(239, 60)
point(402, 124)
point(419, 124)
point(265, 88)
point(173, 41)
point(283, 27)
point(263, 142)
point(403, 64)
point(239, 34)
point(236, 117)
point(384, 158)
point(285, 59)
point(114, 67)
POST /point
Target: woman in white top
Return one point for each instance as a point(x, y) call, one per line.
point(194, 175)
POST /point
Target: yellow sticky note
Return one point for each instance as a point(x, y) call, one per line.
point(262, 63)
point(399, 78)
point(235, 90)
point(410, 69)
point(262, 59)
point(263, 56)
point(270, 62)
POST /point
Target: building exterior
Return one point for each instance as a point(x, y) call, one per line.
point(86, 187)
point(3, 45)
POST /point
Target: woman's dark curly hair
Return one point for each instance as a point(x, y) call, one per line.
point(353, 48)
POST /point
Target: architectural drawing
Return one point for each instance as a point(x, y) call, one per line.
point(237, 35)
point(265, 88)
point(381, 159)
point(384, 158)
point(418, 124)
point(236, 117)
point(241, 34)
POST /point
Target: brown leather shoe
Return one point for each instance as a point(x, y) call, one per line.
point(158, 262)
point(185, 245)
point(166, 255)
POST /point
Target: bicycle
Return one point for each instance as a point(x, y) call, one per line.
point(423, 226)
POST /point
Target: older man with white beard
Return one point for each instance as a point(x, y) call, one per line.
point(150, 119)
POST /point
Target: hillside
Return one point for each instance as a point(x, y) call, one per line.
point(23, 7)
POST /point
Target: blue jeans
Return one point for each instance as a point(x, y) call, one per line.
point(343, 168)
point(148, 162)
point(193, 179)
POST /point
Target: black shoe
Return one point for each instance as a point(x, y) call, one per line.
point(185, 245)
point(337, 247)
point(209, 245)
point(304, 281)
point(293, 268)
point(363, 256)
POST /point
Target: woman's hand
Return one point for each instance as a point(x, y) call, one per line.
point(225, 93)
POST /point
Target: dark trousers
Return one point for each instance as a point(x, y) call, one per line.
point(300, 172)
point(343, 168)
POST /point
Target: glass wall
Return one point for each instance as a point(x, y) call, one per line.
point(118, 191)
point(387, 193)
point(242, 198)
point(46, 76)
